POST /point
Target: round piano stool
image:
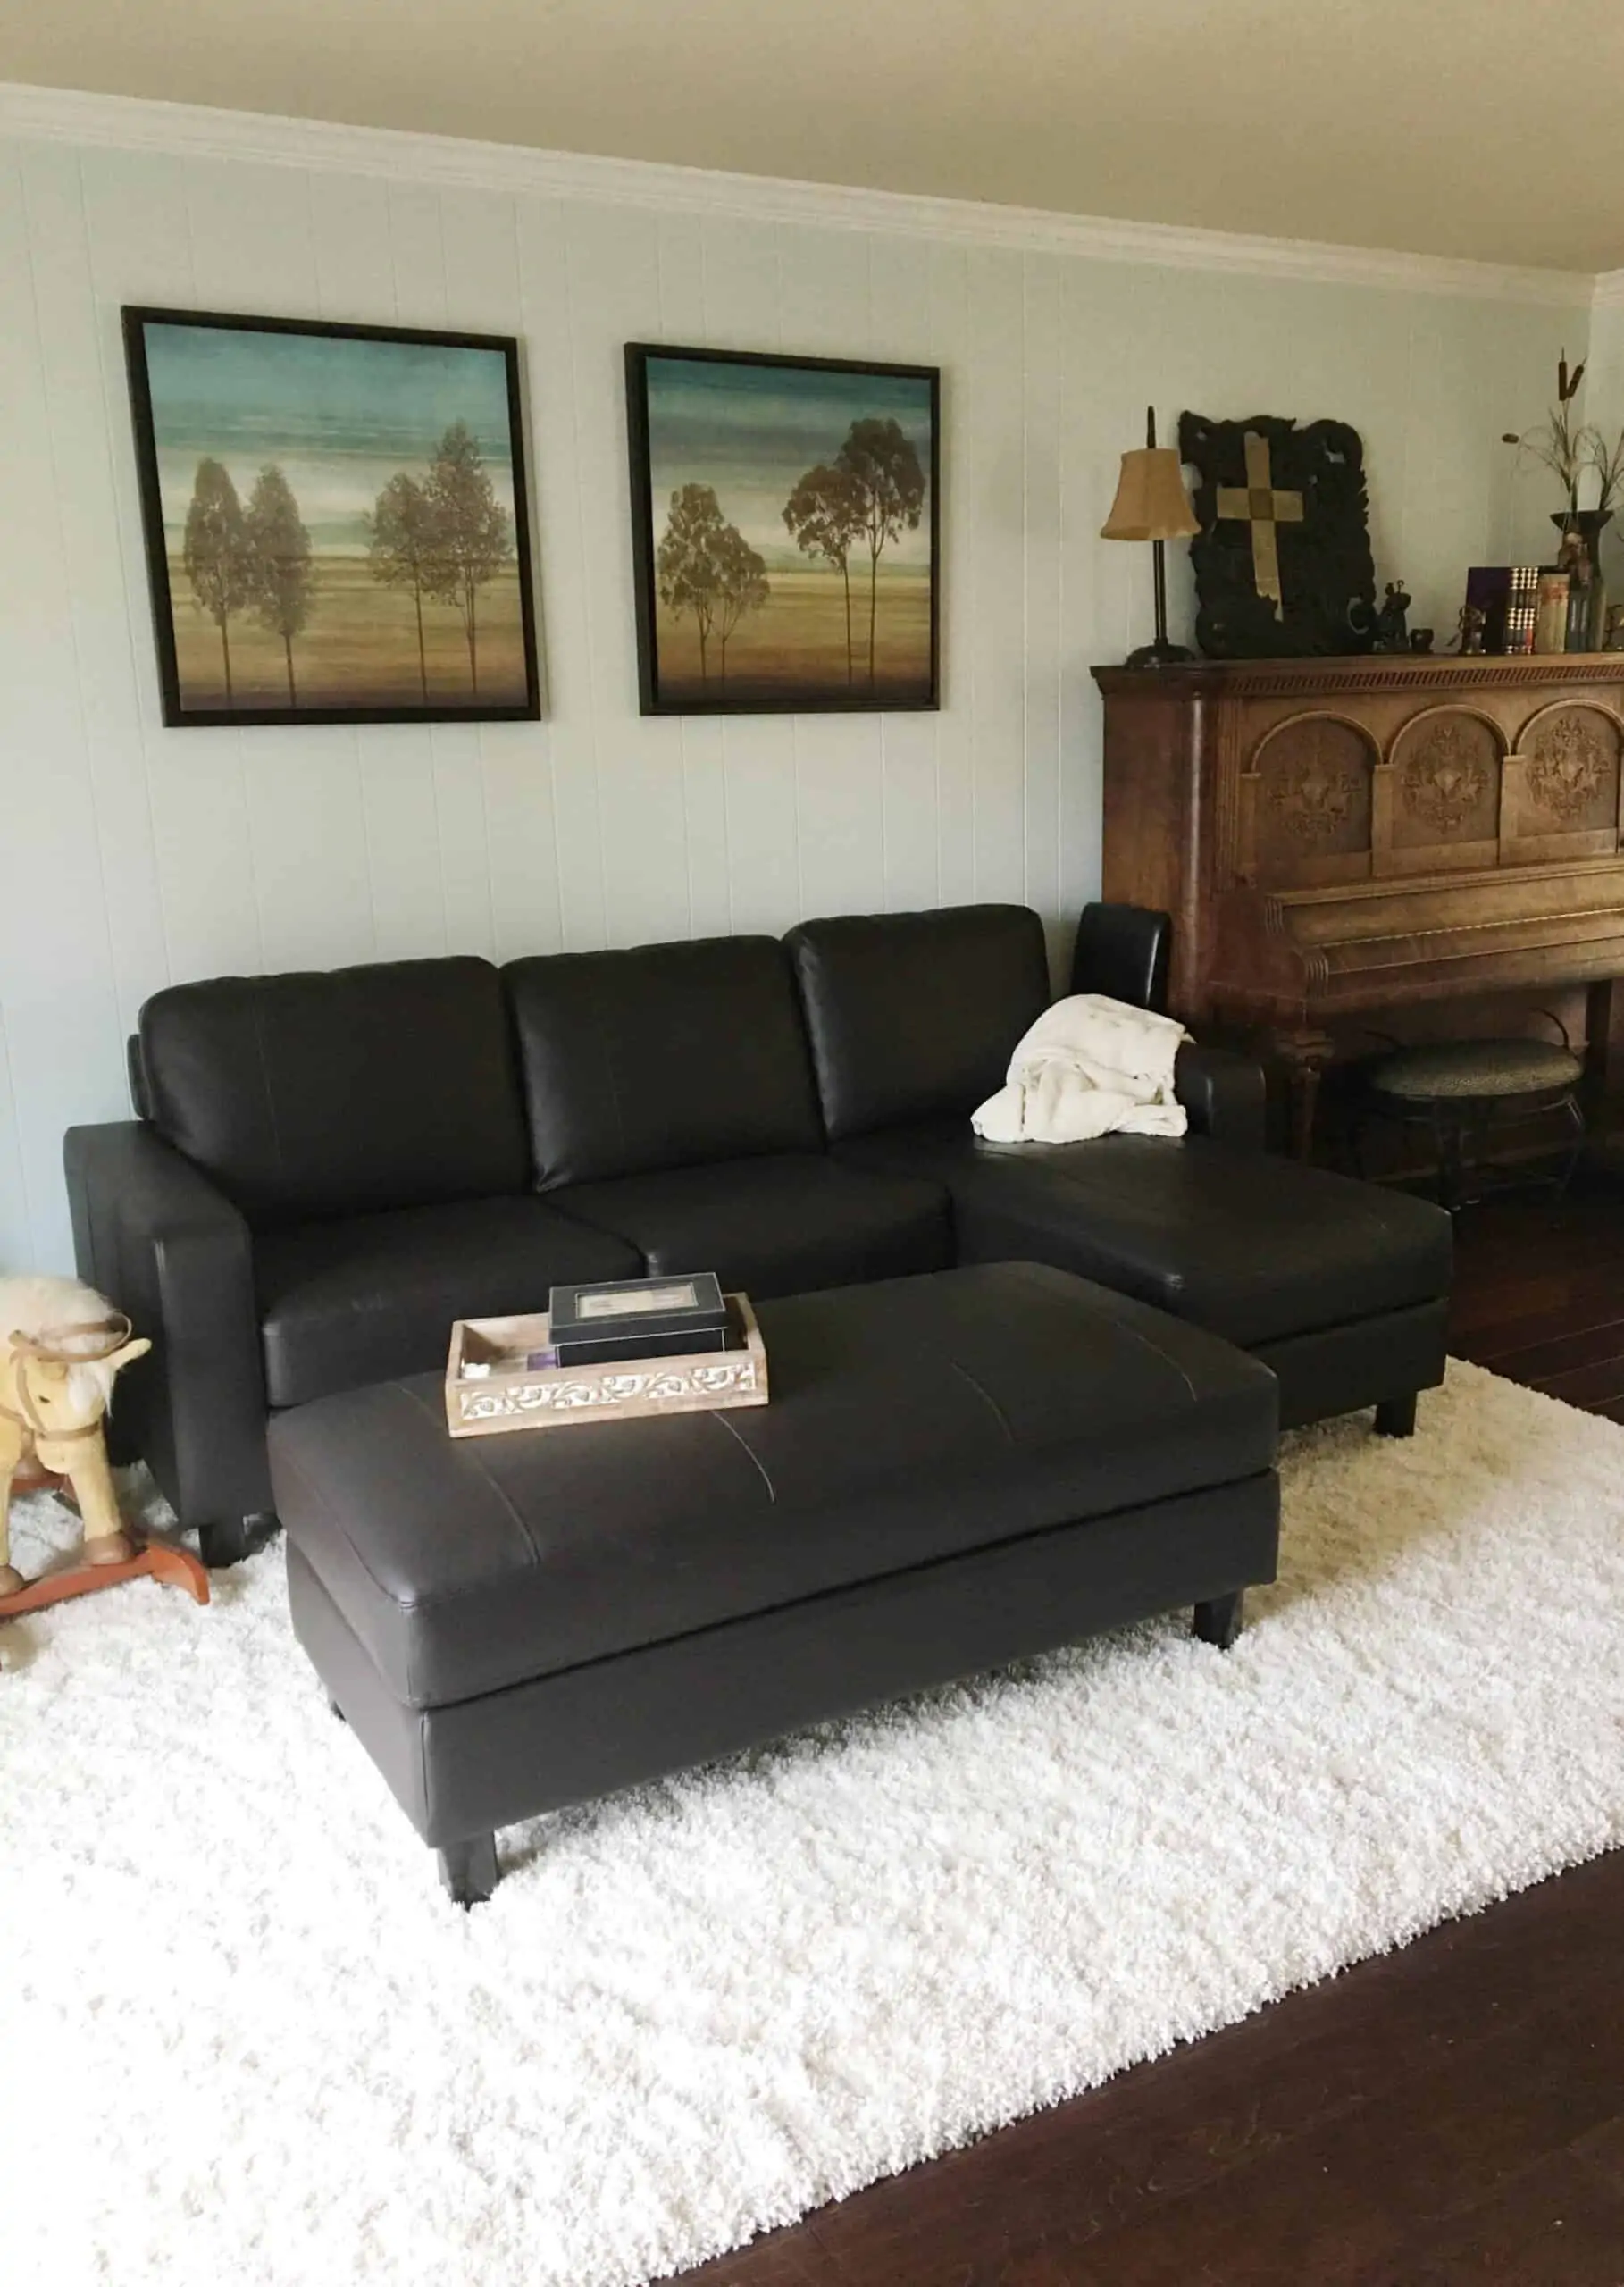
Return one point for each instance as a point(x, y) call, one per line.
point(1457, 1088)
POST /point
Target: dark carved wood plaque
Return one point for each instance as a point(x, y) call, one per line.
point(1283, 563)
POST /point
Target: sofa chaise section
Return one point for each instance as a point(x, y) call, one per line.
point(1283, 1261)
point(1340, 1287)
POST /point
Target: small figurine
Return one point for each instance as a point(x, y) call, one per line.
point(1615, 627)
point(1469, 627)
point(1573, 557)
point(1391, 634)
point(1421, 641)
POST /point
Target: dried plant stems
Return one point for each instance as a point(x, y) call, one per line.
point(1570, 449)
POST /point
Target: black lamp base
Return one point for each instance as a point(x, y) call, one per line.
point(1160, 654)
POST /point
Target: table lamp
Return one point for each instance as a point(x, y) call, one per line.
point(1151, 504)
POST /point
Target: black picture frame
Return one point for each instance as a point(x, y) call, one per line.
point(656, 694)
point(177, 714)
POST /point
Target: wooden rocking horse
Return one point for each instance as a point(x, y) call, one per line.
point(61, 1348)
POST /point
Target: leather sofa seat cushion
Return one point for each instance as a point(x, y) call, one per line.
point(337, 1094)
point(910, 1421)
point(1250, 1246)
point(913, 1016)
point(347, 1302)
point(778, 1225)
point(663, 1057)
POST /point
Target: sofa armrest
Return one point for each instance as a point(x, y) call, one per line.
point(1225, 1095)
point(155, 1236)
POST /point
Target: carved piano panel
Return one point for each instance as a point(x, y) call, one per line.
point(1441, 792)
point(1562, 787)
point(1343, 835)
point(1307, 803)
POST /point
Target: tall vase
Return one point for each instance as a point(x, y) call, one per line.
point(1588, 627)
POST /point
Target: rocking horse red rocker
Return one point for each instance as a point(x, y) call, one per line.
point(61, 1348)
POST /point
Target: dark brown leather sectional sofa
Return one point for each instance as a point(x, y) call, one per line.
point(326, 1169)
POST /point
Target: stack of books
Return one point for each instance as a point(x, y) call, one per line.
point(1508, 597)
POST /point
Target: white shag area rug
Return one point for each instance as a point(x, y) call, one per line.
point(244, 2038)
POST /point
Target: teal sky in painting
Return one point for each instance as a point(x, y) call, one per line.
point(339, 416)
point(753, 431)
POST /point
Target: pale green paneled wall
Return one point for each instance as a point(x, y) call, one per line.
point(131, 855)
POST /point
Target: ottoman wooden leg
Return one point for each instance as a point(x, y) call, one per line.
point(1219, 1621)
point(1395, 1417)
point(468, 1869)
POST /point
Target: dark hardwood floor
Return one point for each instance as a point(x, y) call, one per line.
point(1451, 2112)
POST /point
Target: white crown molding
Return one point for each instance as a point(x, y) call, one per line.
point(1609, 293)
point(188, 130)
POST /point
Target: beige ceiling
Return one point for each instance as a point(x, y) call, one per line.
point(1488, 127)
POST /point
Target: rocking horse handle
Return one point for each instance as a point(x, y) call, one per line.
point(115, 1326)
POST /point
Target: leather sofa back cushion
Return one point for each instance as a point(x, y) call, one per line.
point(341, 1093)
point(661, 1056)
point(913, 1016)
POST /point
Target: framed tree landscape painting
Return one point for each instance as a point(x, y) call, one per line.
point(784, 526)
point(336, 521)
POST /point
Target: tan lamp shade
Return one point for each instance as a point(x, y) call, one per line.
point(1151, 502)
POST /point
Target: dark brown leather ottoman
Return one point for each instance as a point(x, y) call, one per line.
point(955, 1470)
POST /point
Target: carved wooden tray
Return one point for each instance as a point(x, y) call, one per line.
point(490, 1389)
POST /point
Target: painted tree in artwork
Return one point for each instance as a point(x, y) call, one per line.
point(471, 532)
point(400, 546)
point(685, 562)
point(705, 565)
point(826, 513)
point(218, 560)
point(881, 461)
point(279, 553)
point(741, 585)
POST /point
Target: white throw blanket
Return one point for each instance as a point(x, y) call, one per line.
point(1089, 1066)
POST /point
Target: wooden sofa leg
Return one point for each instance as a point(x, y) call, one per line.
point(1220, 1621)
point(1395, 1417)
point(468, 1869)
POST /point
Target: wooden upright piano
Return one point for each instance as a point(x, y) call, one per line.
point(1336, 837)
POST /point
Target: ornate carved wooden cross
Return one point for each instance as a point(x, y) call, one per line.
point(1257, 504)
